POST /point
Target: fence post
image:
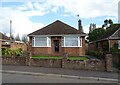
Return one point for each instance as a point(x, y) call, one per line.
point(64, 59)
point(108, 64)
point(28, 59)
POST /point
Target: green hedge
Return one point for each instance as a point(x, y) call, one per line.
point(10, 52)
point(96, 53)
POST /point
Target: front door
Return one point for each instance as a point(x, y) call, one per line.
point(56, 45)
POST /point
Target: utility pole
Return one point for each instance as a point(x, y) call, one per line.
point(10, 29)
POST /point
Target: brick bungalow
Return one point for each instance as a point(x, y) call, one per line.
point(108, 40)
point(58, 38)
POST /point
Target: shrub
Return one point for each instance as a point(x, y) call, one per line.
point(115, 48)
point(98, 53)
point(92, 53)
point(7, 52)
point(10, 52)
point(18, 52)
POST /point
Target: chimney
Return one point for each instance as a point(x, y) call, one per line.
point(80, 26)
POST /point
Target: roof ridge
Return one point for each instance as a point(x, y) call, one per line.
point(55, 28)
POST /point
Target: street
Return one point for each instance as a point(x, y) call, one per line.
point(19, 78)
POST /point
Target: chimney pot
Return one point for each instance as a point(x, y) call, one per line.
point(80, 26)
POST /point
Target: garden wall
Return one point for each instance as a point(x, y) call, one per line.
point(92, 64)
point(46, 62)
point(14, 60)
point(85, 65)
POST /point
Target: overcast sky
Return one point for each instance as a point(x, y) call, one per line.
point(30, 15)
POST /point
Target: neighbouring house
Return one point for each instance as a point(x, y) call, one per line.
point(107, 40)
point(18, 44)
point(5, 42)
point(58, 38)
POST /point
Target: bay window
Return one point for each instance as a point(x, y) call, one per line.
point(41, 42)
point(71, 41)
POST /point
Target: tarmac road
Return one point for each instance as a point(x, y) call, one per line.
point(19, 78)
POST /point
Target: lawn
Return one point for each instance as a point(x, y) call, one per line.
point(56, 57)
point(78, 58)
point(46, 57)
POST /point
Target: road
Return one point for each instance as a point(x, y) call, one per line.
point(19, 78)
point(71, 72)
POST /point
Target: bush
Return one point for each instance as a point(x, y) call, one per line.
point(10, 52)
point(99, 54)
point(115, 48)
point(18, 52)
point(7, 52)
point(92, 53)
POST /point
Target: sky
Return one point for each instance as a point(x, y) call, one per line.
point(30, 15)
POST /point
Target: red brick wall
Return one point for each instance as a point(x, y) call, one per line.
point(15, 45)
point(41, 50)
point(91, 46)
point(73, 51)
point(82, 51)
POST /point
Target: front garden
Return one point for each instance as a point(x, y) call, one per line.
point(7, 52)
point(81, 58)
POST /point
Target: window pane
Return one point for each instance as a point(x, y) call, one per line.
point(80, 41)
point(118, 44)
point(33, 41)
point(62, 41)
point(49, 41)
point(71, 41)
point(40, 41)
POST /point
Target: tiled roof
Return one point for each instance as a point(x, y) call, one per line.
point(4, 37)
point(56, 28)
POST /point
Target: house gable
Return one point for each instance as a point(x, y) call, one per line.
point(115, 35)
point(56, 28)
point(111, 32)
point(4, 37)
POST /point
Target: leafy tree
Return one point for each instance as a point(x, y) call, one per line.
point(17, 38)
point(107, 23)
point(95, 34)
point(24, 38)
point(110, 22)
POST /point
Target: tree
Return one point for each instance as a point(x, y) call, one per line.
point(17, 38)
point(110, 22)
point(96, 34)
point(107, 23)
point(24, 38)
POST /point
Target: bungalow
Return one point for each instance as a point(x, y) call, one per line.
point(57, 38)
point(108, 40)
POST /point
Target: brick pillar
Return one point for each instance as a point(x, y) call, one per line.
point(108, 59)
point(64, 59)
point(30, 51)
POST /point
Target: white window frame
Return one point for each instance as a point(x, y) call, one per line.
point(48, 42)
point(33, 41)
point(79, 41)
point(118, 44)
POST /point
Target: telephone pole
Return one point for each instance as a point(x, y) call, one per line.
point(10, 29)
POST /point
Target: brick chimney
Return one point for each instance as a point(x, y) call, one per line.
point(80, 28)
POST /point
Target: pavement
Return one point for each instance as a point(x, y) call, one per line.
point(60, 72)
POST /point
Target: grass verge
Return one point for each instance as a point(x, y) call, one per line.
point(56, 57)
